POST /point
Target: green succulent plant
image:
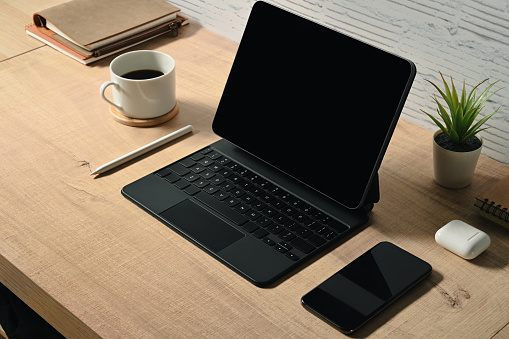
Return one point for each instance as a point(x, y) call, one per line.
point(457, 122)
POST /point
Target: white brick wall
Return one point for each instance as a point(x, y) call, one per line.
point(465, 39)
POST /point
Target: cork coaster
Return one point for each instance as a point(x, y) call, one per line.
point(119, 117)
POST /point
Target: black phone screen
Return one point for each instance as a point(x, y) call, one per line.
point(365, 286)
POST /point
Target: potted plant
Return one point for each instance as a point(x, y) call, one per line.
point(456, 145)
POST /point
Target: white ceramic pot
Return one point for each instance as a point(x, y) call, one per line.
point(454, 169)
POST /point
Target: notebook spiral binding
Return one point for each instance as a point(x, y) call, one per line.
point(496, 211)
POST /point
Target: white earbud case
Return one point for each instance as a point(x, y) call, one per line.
point(462, 239)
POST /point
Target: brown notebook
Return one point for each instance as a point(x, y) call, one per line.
point(86, 57)
point(494, 202)
point(91, 24)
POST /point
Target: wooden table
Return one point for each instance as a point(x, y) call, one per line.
point(94, 265)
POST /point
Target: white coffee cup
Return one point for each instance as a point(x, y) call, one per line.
point(142, 98)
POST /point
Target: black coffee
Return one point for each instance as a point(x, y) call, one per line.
point(142, 74)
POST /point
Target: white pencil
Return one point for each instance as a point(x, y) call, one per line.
point(143, 150)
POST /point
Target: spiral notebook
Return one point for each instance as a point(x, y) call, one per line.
point(494, 202)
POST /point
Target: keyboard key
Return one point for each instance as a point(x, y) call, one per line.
point(225, 173)
point(270, 212)
point(221, 195)
point(286, 235)
point(224, 160)
point(239, 169)
point(278, 204)
point(201, 183)
point(263, 183)
point(258, 205)
point(338, 226)
point(216, 167)
point(242, 208)
point(187, 162)
point(291, 225)
point(330, 235)
point(266, 197)
point(245, 185)
point(211, 189)
point(264, 222)
point(192, 190)
point(288, 210)
point(243, 171)
point(280, 248)
point(260, 233)
point(227, 186)
point(276, 191)
point(300, 217)
point(292, 256)
point(217, 180)
point(221, 208)
point(197, 156)
point(235, 179)
point(316, 240)
point(325, 219)
point(179, 169)
point(267, 185)
point(286, 197)
point(232, 202)
point(253, 178)
point(312, 224)
point(303, 232)
point(309, 210)
point(164, 172)
point(280, 218)
point(256, 191)
point(181, 184)
point(250, 227)
point(172, 178)
point(206, 161)
point(302, 245)
point(253, 215)
point(297, 203)
point(233, 166)
point(248, 199)
point(275, 229)
point(207, 174)
point(237, 192)
point(322, 230)
point(191, 176)
point(214, 155)
point(318, 215)
point(268, 241)
point(286, 245)
point(197, 168)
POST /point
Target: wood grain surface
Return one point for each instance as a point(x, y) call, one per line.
point(94, 265)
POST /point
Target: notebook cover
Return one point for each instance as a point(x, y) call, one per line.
point(49, 37)
point(86, 57)
point(90, 21)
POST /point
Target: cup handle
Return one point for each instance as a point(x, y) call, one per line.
point(103, 88)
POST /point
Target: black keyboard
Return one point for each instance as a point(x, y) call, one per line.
point(253, 203)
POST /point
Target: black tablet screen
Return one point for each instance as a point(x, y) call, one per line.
point(313, 102)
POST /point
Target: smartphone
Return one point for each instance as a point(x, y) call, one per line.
point(364, 287)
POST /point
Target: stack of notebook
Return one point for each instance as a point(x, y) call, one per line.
point(89, 30)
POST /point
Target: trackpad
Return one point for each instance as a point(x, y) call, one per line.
point(201, 225)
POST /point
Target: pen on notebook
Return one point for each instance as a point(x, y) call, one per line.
point(143, 150)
